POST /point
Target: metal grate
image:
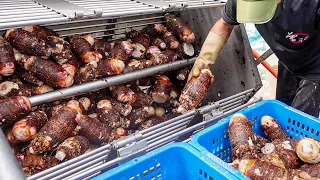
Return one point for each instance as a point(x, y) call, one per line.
point(15, 13)
point(115, 8)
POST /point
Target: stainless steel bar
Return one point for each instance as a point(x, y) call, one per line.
point(21, 19)
point(118, 28)
point(109, 24)
point(107, 82)
point(153, 134)
point(169, 131)
point(230, 108)
point(159, 145)
point(129, 13)
point(222, 105)
point(27, 11)
point(5, 7)
point(32, 15)
point(187, 130)
point(32, 22)
point(189, 113)
point(10, 169)
point(73, 162)
point(236, 95)
point(129, 139)
point(80, 168)
point(233, 104)
point(83, 171)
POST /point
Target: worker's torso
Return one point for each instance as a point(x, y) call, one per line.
point(294, 36)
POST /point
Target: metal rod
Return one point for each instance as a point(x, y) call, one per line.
point(169, 131)
point(107, 82)
point(108, 24)
point(10, 169)
point(239, 102)
point(101, 151)
point(152, 134)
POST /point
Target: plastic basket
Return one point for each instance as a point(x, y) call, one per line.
point(215, 140)
point(174, 161)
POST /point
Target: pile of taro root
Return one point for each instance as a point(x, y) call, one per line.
point(278, 157)
point(36, 60)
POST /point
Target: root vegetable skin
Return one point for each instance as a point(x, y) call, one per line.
point(57, 129)
point(143, 39)
point(122, 51)
point(311, 169)
point(194, 91)
point(153, 29)
point(72, 147)
point(131, 34)
point(182, 74)
point(86, 73)
point(42, 89)
point(179, 28)
point(10, 137)
point(107, 114)
point(47, 71)
point(151, 122)
point(308, 150)
point(60, 49)
point(28, 76)
point(133, 65)
point(109, 67)
point(159, 43)
point(123, 109)
point(32, 164)
point(27, 42)
point(40, 32)
point(103, 47)
point(170, 40)
point(25, 129)
point(7, 61)
point(142, 100)
point(88, 104)
point(83, 49)
point(9, 88)
point(166, 57)
point(161, 89)
point(93, 129)
point(272, 128)
point(246, 143)
point(12, 109)
point(123, 94)
point(138, 51)
point(152, 53)
point(138, 116)
point(256, 169)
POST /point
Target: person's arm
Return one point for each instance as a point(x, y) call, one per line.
point(216, 39)
point(212, 46)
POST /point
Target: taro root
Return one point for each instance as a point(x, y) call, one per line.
point(83, 49)
point(245, 144)
point(123, 94)
point(60, 126)
point(161, 89)
point(27, 43)
point(179, 28)
point(47, 71)
point(12, 109)
point(171, 41)
point(194, 91)
point(122, 51)
point(138, 116)
point(308, 150)
point(185, 50)
point(26, 128)
point(40, 32)
point(153, 29)
point(104, 47)
point(86, 73)
point(109, 67)
point(107, 114)
point(166, 57)
point(272, 128)
point(7, 61)
point(159, 42)
point(72, 147)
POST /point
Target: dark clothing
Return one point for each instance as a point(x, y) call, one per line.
point(299, 93)
point(294, 36)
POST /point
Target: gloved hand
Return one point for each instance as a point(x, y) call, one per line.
point(208, 54)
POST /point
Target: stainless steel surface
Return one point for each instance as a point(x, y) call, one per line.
point(10, 169)
point(18, 13)
point(69, 9)
point(107, 82)
point(182, 4)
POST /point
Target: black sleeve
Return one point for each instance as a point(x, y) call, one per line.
point(229, 14)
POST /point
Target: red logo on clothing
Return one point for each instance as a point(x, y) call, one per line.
point(297, 38)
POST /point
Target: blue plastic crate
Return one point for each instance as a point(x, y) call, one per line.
point(174, 161)
point(214, 141)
